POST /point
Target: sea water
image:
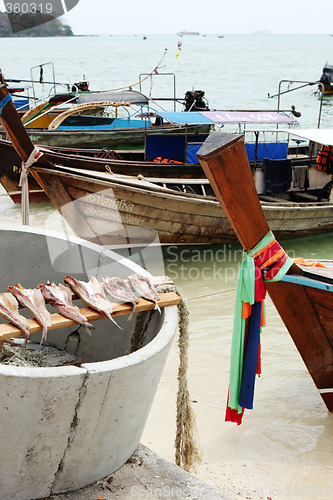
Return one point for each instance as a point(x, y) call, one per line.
point(284, 447)
point(235, 72)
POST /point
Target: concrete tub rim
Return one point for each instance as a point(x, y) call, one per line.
point(163, 337)
point(157, 344)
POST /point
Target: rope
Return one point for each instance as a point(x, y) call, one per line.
point(143, 79)
point(138, 336)
point(187, 448)
point(212, 293)
point(24, 184)
point(19, 356)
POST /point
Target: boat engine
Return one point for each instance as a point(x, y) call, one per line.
point(82, 86)
point(195, 101)
point(327, 75)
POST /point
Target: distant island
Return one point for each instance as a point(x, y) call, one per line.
point(53, 27)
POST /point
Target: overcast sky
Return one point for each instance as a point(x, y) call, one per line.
point(205, 16)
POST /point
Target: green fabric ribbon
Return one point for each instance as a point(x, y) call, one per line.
point(245, 293)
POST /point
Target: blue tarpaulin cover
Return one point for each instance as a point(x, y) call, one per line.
point(273, 150)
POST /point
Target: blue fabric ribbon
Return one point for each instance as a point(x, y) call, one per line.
point(4, 101)
point(250, 358)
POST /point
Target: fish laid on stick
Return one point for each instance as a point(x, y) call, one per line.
point(60, 297)
point(9, 310)
point(92, 294)
point(143, 288)
point(119, 290)
point(33, 300)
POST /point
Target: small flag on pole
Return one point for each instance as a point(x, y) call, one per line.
point(179, 49)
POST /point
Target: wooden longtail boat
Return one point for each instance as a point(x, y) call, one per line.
point(181, 149)
point(157, 161)
point(326, 80)
point(120, 138)
point(303, 299)
point(121, 207)
point(112, 209)
point(79, 125)
point(119, 162)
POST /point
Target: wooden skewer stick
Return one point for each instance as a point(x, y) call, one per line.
point(155, 281)
point(8, 331)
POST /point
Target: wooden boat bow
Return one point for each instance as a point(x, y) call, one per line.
point(304, 300)
point(224, 160)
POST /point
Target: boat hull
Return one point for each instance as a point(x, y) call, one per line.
point(10, 167)
point(126, 138)
point(300, 305)
point(115, 211)
point(326, 89)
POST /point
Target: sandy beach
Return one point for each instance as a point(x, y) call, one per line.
point(241, 462)
point(227, 471)
point(145, 475)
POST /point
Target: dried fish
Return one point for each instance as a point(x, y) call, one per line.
point(143, 288)
point(9, 310)
point(92, 294)
point(61, 297)
point(33, 300)
point(119, 290)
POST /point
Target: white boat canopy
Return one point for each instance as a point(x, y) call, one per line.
point(320, 135)
point(131, 96)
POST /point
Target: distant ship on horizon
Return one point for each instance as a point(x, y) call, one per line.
point(188, 33)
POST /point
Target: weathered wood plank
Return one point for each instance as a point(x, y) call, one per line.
point(324, 310)
point(303, 321)
point(8, 331)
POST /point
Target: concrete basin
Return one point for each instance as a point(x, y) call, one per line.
point(62, 428)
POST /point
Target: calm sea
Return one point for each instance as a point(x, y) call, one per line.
point(286, 442)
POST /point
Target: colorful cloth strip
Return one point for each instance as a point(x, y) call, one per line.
point(267, 261)
point(308, 263)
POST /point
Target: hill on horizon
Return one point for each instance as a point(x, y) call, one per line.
point(53, 27)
